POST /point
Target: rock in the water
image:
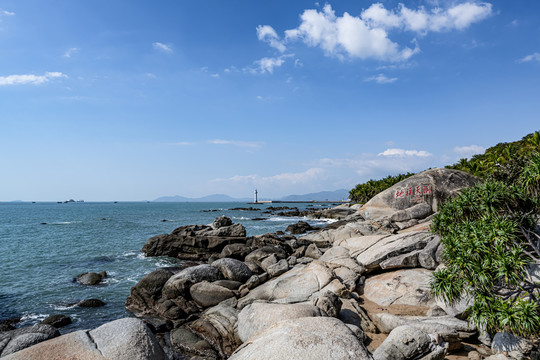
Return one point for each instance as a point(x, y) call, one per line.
point(300, 227)
point(233, 269)
point(401, 287)
point(296, 285)
point(431, 187)
point(208, 294)
point(508, 342)
point(90, 278)
point(91, 303)
point(261, 315)
point(308, 338)
point(15, 340)
point(403, 343)
point(57, 320)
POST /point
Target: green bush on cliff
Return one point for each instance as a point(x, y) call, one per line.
point(488, 239)
point(365, 191)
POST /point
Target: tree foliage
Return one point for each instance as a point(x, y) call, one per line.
point(365, 191)
point(489, 242)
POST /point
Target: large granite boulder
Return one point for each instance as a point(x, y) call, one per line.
point(233, 269)
point(196, 242)
point(417, 196)
point(404, 343)
point(14, 340)
point(209, 294)
point(402, 287)
point(296, 285)
point(179, 284)
point(308, 338)
point(261, 315)
point(344, 230)
point(123, 339)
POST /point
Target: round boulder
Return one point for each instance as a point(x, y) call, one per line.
point(208, 294)
point(57, 320)
point(233, 269)
point(90, 278)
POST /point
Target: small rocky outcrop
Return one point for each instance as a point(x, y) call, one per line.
point(300, 227)
point(406, 343)
point(91, 303)
point(57, 320)
point(91, 278)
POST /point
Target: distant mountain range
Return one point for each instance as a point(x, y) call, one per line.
point(341, 194)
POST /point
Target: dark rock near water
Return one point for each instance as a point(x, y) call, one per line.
point(209, 294)
point(235, 251)
point(300, 227)
point(144, 296)
point(90, 278)
point(57, 320)
point(233, 269)
point(91, 303)
point(7, 324)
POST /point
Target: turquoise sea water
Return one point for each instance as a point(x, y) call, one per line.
point(39, 261)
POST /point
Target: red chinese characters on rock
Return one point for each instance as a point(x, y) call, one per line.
point(415, 191)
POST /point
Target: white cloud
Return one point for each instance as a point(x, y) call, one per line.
point(346, 36)
point(267, 65)
point(381, 79)
point(283, 179)
point(420, 20)
point(29, 78)
point(6, 13)
point(403, 153)
point(529, 58)
point(267, 34)
point(248, 144)
point(366, 36)
point(468, 151)
point(162, 47)
point(70, 52)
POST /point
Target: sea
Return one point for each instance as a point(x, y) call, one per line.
point(44, 246)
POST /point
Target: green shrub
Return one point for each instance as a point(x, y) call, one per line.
point(488, 243)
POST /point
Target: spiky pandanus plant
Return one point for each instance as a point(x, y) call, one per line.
point(489, 244)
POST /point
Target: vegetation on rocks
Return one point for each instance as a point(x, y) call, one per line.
point(489, 242)
point(365, 191)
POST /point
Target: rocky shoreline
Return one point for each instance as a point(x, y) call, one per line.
point(356, 289)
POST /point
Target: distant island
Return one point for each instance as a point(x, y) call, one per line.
point(318, 196)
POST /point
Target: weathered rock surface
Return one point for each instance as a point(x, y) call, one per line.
point(352, 313)
point(91, 278)
point(123, 339)
point(233, 269)
point(431, 187)
point(344, 230)
point(296, 285)
point(300, 227)
point(179, 284)
point(188, 343)
point(209, 294)
point(261, 315)
point(91, 303)
point(338, 256)
point(308, 338)
point(329, 303)
point(401, 287)
point(144, 296)
point(506, 342)
point(403, 343)
point(18, 339)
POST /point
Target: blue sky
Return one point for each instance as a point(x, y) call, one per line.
point(132, 100)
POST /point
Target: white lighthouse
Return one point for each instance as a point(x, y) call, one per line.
point(256, 201)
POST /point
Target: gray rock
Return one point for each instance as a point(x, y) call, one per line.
point(508, 342)
point(233, 269)
point(401, 287)
point(308, 338)
point(144, 296)
point(257, 256)
point(428, 256)
point(431, 187)
point(90, 278)
point(269, 261)
point(338, 256)
point(329, 302)
point(261, 315)
point(179, 284)
point(209, 294)
point(296, 285)
point(235, 251)
point(352, 313)
point(57, 320)
point(281, 267)
point(403, 343)
point(221, 221)
point(408, 260)
point(327, 237)
point(18, 339)
point(217, 324)
point(127, 338)
point(229, 284)
point(313, 251)
point(185, 341)
point(418, 211)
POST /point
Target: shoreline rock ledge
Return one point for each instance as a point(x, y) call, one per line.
point(322, 295)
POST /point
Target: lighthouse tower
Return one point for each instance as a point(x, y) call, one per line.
point(256, 201)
